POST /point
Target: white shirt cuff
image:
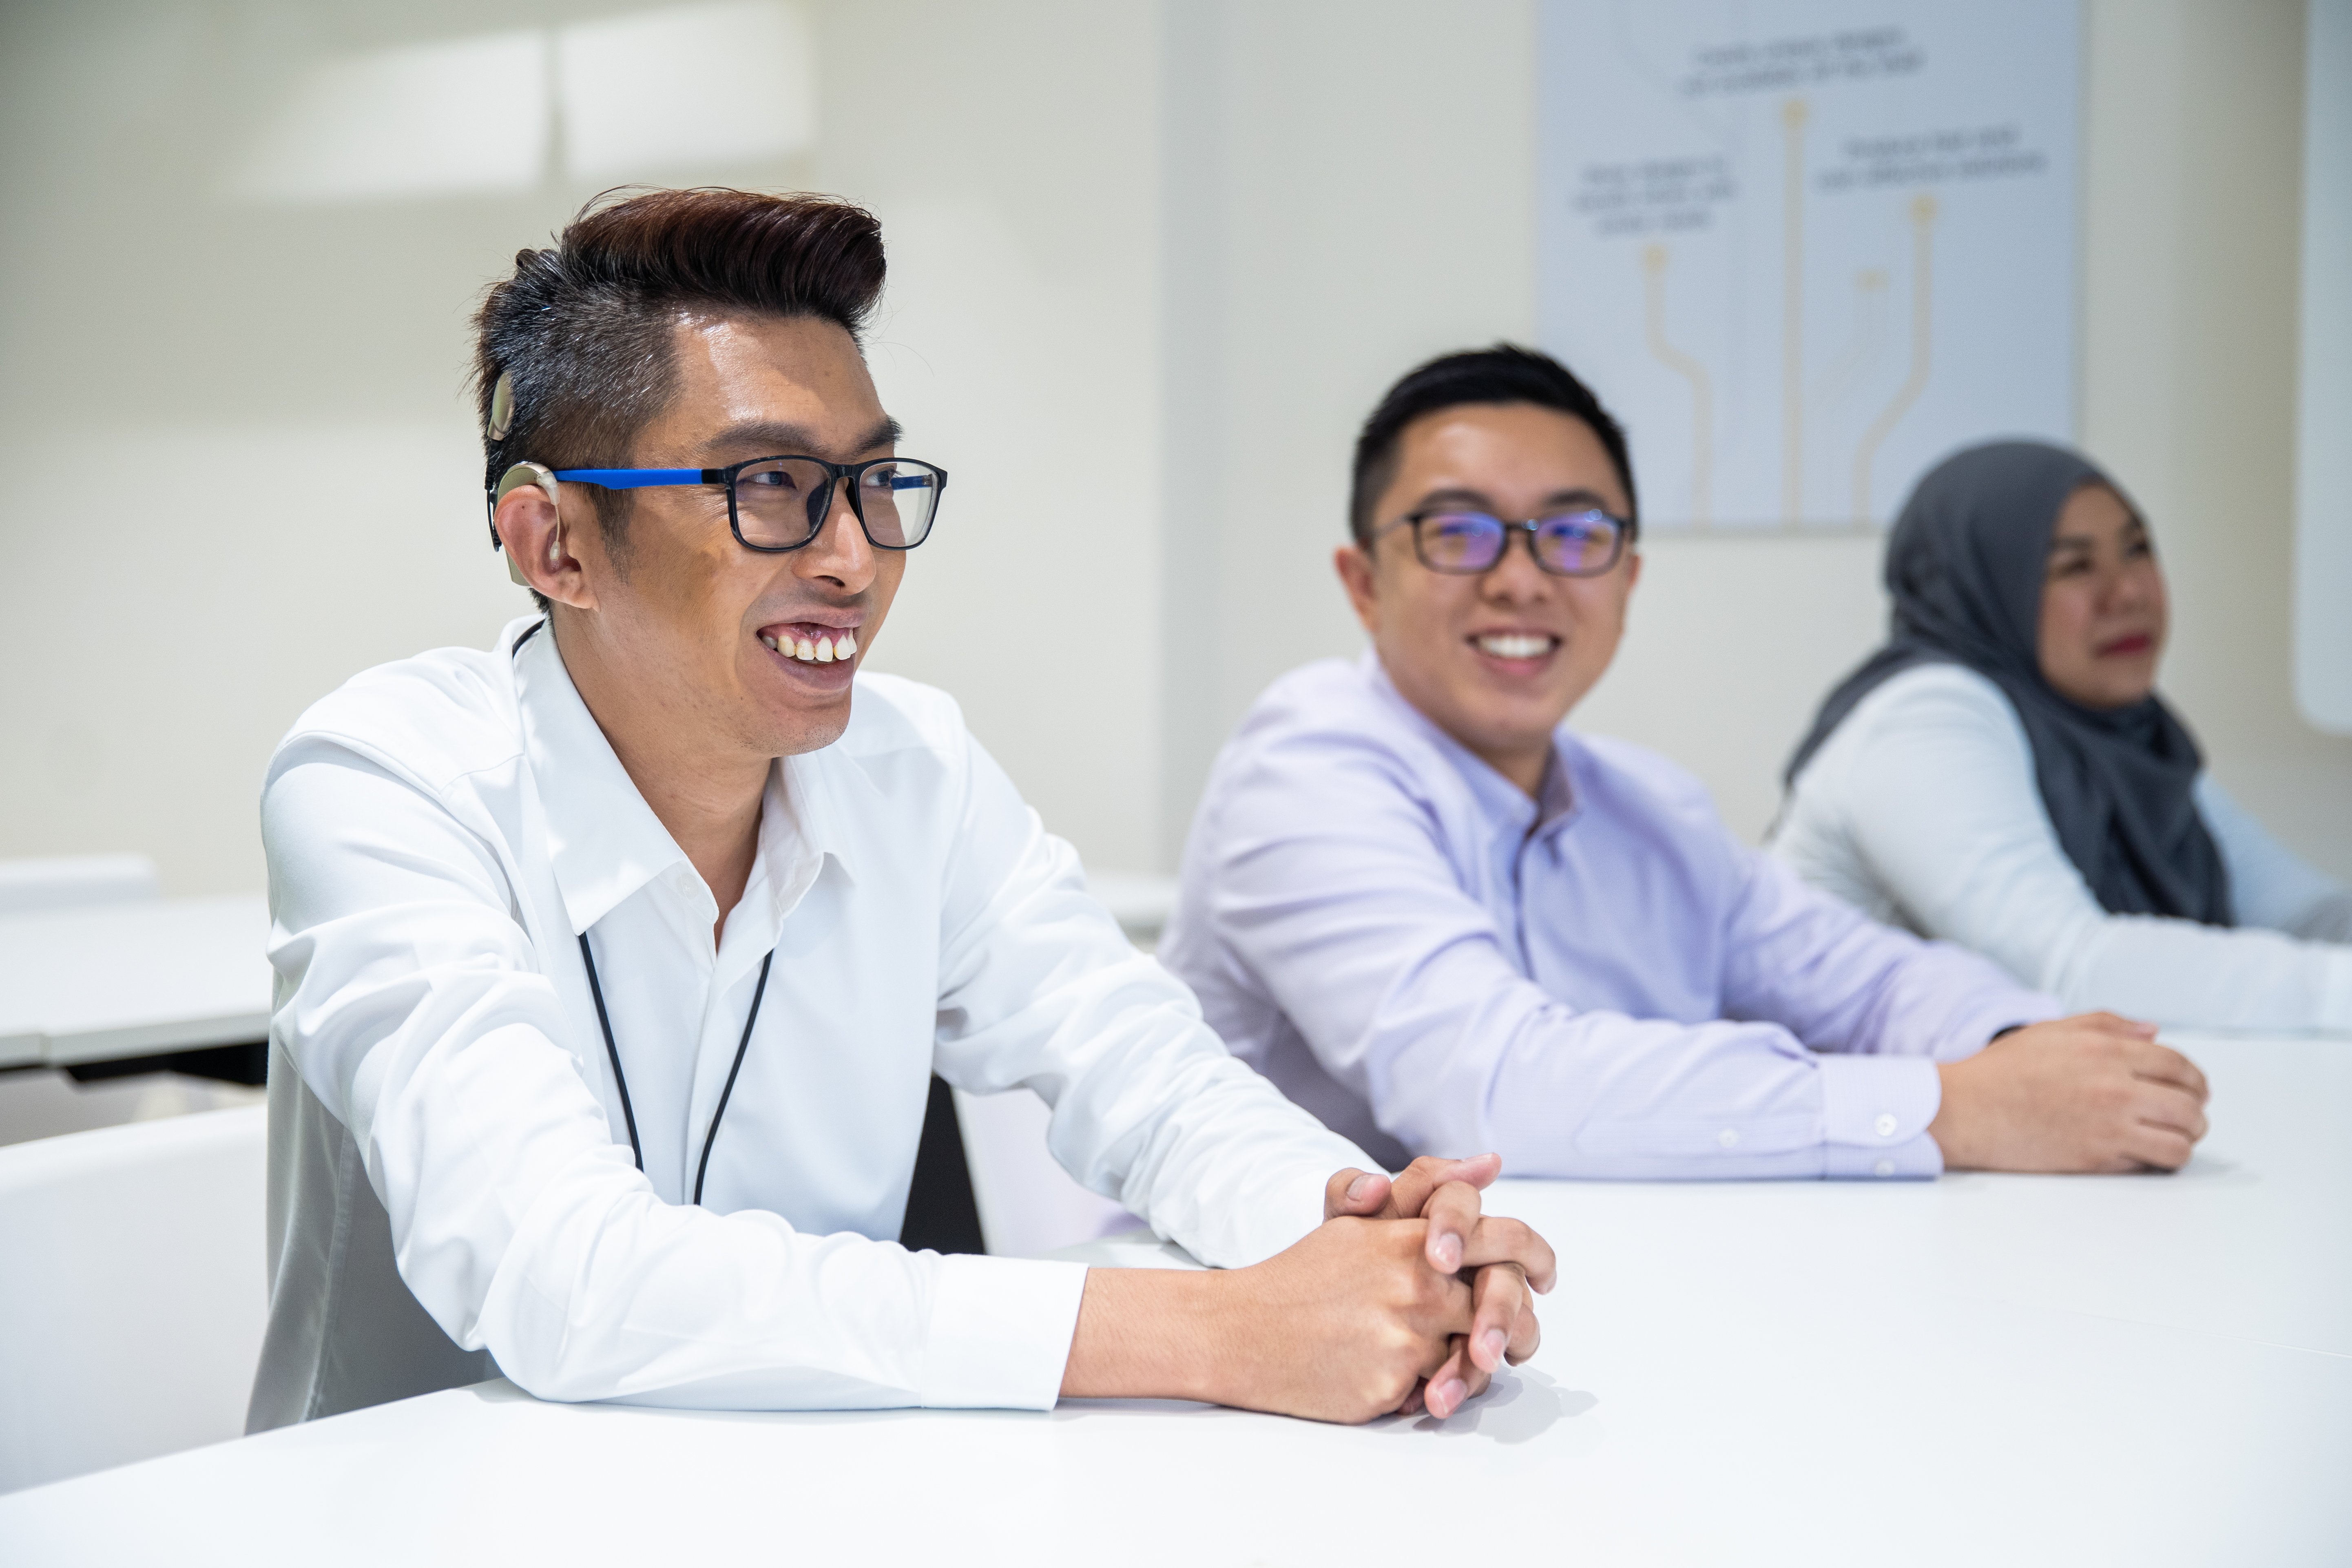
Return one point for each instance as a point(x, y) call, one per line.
point(1000, 1332)
point(1874, 1116)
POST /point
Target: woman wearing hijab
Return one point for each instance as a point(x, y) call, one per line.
point(2003, 774)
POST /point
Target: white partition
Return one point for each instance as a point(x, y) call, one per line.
point(1140, 901)
point(1028, 1204)
point(132, 1286)
point(2322, 563)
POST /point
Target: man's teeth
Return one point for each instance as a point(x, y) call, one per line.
point(1513, 645)
point(824, 650)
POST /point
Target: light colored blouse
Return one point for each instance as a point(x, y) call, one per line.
point(1922, 810)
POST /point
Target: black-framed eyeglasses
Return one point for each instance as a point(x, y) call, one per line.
point(1461, 543)
point(781, 503)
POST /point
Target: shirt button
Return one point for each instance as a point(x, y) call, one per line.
point(1884, 1168)
point(1728, 1138)
point(1886, 1124)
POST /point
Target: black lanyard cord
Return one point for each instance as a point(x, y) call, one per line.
point(620, 1080)
point(628, 1111)
point(702, 1167)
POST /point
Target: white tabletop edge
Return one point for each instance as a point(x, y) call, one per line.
point(25, 1049)
point(147, 1039)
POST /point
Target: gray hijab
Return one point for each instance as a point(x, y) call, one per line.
point(1965, 565)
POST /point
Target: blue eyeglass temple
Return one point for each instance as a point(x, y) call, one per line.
point(653, 478)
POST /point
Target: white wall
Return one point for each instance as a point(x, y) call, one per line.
point(1151, 263)
point(242, 468)
point(1019, 348)
point(1349, 192)
point(2191, 229)
point(1359, 198)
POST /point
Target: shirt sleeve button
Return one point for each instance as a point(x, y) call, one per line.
point(1728, 1138)
point(1884, 1168)
point(1886, 1124)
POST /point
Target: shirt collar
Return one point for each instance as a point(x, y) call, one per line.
point(1557, 801)
point(604, 841)
point(802, 828)
point(792, 855)
point(811, 802)
point(1500, 801)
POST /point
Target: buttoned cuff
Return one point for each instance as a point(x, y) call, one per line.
point(1874, 1113)
point(1000, 1332)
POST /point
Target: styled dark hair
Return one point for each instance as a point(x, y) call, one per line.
point(1504, 373)
point(585, 328)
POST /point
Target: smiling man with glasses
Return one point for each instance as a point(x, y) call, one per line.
point(1438, 918)
point(614, 962)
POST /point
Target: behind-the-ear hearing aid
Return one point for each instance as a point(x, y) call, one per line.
point(514, 479)
point(495, 428)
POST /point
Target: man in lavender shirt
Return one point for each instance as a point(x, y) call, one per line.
point(1439, 919)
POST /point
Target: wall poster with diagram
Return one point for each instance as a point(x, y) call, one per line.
point(1803, 249)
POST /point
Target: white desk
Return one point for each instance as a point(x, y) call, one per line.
point(133, 979)
point(2143, 1370)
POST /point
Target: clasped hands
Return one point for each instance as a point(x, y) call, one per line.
point(1405, 1297)
point(1463, 1282)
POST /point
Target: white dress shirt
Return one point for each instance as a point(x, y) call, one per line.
point(450, 1179)
point(1921, 809)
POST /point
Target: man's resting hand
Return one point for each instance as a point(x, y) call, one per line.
point(2092, 1092)
point(1404, 1287)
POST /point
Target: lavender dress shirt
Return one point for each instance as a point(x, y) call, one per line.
point(1602, 982)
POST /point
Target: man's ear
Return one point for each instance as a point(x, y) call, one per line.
point(539, 545)
point(1354, 564)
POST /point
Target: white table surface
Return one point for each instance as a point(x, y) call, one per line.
point(132, 979)
point(1983, 1370)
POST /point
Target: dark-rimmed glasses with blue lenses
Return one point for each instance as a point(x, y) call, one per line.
point(781, 503)
point(1461, 543)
